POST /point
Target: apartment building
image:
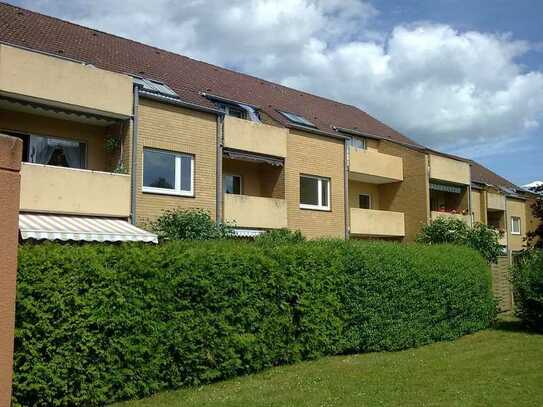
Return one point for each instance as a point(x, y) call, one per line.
point(115, 132)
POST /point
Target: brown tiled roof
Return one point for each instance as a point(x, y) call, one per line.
point(186, 76)
point(483, 175)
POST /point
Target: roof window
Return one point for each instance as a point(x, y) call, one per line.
point(297, 119)
point(152, 86)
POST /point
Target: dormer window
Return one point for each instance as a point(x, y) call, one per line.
point(233, 110)
point(156, 87)
point(359, 143)
point(297, 119)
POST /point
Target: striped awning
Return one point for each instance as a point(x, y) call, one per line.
point(445, 188)
point(257, 158)
point(81, 228)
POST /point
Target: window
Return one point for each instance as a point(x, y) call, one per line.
point(515, 225)
point(53, 151)
point(364, 201)
point(295, 118)
point(358, 143)
point(314, 192)
point(165, 172)
point(153, 86)
point(232, 184)
point(233, 110)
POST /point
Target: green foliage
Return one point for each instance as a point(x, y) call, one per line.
point(480, 237)
point(100, 323)
point(189, 224)
point(280, 236)
point(528, 288)
point(535, 237)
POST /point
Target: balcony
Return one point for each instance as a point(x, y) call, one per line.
point(255, 212)
point(370, 222)
point(450, 215)
point(254, 137)
point(63, 83)
point(63, 190)
point(495, 201)
point(373, 167)
point(449, 170)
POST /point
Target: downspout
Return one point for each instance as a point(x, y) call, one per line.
point(346, 189)
point(133, 163)
point(220, 143)
point(469, 205)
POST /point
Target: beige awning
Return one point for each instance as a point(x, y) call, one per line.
point(81, 228)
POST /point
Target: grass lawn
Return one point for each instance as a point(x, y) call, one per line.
point(498, 367)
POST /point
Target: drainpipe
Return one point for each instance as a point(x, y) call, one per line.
point(346, 189)
point(133, 163)
point(220, 140)
point(469, 204)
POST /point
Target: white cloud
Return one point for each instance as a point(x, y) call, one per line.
point(442, 87)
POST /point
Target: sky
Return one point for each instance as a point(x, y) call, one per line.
point(461, 76)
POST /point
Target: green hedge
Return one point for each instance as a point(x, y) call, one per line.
point(528, 289)
point(99, 323)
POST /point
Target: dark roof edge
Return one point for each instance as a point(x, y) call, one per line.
point(179, 103)
point(226, 100)
point(316, 131)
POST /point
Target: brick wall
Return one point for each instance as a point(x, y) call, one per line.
point(180, 130)
point(321, 156)
point(412, 195)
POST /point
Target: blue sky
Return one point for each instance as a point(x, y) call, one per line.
point(465, 77)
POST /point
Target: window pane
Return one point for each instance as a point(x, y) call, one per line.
point(364, 202)
point(58, 152)
point(324, 192)
point(232, 184)
point(358, 143)
point(186, 173)
point(235, 112)
point(309, 193)
point(158, 169)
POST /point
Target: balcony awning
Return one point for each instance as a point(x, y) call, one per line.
point(244, 156)
point(445, 188)
point(81, 228)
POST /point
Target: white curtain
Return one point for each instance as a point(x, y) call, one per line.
point(42, 149)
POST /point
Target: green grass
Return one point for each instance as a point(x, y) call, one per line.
point(498, 367)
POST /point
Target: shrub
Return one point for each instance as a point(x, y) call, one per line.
point(280, 236)
point(189, 224)
point(100, 323)
point(528, 288)
point(480, 237)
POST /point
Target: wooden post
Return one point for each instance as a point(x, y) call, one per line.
point(10, 164)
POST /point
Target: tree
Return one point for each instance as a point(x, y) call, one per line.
point(480, 237)
point(535, 238)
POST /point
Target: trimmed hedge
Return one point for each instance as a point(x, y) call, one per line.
point(528, 289)
point(100, 323)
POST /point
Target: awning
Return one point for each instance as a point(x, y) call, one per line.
point(244, 156)
point(81, 228)
point(247, 232)
point(445, 188)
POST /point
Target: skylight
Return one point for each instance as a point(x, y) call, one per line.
point(294, 118)
point(153, 86)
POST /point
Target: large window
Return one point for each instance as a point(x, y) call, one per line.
point(314, 192)
point(165, 172)
point(364, 201)
point(232, 184)
point(53, 151)
point(515, 225)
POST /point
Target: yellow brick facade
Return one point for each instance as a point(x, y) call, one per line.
point(180, 130)
point(320, 156)
point(516, 208)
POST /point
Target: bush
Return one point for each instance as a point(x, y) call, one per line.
point(528, 289)
point(189, 224)
point(100, 323)
point(279, 236)
point(480, 237)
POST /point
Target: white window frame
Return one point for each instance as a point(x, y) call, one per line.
point(369, 200)
point(240, 183)
point(320, 206)
point(177, 191)
point(513, 219)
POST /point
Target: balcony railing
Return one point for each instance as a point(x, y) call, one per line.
point(375, 167)
point(450, 215)
point(495, 201)
point(370, 222)
point(255, 212)
point(258, 138)
point(46, 188)
point(450, 170)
